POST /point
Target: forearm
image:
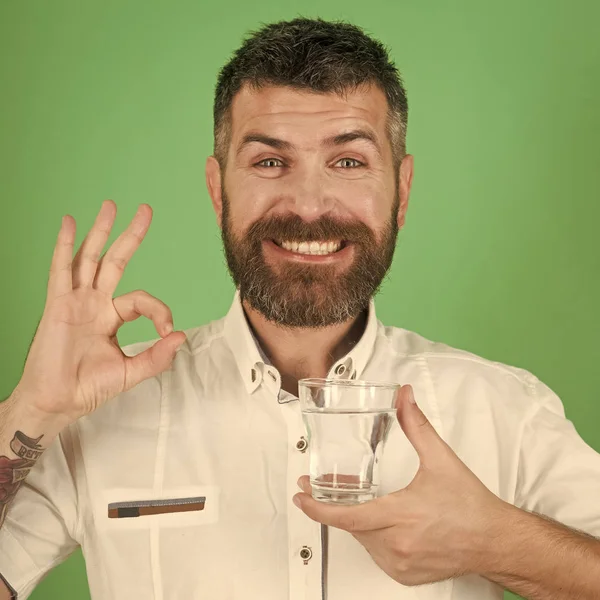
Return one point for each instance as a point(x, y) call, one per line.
point(4, 592)
point(541, 559)
point(24, 435)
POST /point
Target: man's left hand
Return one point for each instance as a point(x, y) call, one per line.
point(444, 524)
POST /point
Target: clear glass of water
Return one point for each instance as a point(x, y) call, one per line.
point(347, 423)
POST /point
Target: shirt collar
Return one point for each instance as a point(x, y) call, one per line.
point(242, 344)
point(252, 362)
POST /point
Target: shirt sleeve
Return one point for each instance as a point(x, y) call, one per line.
point(559, 474)
point(40, 529)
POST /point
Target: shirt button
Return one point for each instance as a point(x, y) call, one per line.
point(302, 444)
point(305, 554)
point(340, 369)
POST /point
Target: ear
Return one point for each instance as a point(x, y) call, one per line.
point(214, 185)
point(404, 184)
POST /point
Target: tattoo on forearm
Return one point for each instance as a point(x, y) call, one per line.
point(14, 470)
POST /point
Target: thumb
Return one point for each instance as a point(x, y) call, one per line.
point(417, 428)
point(154, 360)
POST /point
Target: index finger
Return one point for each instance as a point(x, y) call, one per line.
point(113, 263)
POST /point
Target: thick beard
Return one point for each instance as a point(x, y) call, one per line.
point(306, 296)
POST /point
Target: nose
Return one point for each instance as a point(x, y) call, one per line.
point(308, 195)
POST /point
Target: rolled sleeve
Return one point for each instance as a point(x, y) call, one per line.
point(40, 530)
point(559, 474)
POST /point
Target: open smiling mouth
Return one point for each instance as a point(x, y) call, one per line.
point(324, 248)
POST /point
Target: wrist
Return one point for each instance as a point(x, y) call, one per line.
point(502, 544)
point(517, 541)
point(533, 555)
point(19, 413)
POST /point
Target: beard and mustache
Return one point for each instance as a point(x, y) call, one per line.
point(308, 295)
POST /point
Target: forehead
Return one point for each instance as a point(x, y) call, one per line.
point(295, 111)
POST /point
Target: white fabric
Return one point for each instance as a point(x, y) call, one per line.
point(217, 425)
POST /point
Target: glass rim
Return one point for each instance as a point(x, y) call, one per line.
point(313, 382)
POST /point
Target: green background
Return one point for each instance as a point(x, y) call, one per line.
point(499, 256)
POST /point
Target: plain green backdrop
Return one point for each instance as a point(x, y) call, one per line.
point(499, 256)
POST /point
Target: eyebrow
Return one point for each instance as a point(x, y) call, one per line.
point(266, 140)
point(355, 134)
point(336, 140)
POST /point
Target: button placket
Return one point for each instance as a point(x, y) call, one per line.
point(304, 552)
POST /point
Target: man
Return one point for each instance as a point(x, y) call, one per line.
point(175, 465)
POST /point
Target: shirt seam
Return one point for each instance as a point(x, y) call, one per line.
point(13, 593)
point(207, 343)
point(37, 570)
point(533, 411)
point(184, 348)
point(435, 409)
point(78, 524)
point(474, 359)
point(91, 512)
point(79, 528)
point(158, 479)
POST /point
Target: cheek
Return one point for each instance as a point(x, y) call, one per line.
point(370, 204)
point(366, 199)
point(248, 202)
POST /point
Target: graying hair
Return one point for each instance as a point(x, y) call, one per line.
point(311, 54)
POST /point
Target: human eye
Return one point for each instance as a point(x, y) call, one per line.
point(269, 163)
point(350, 163)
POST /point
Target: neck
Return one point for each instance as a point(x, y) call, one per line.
point(304, 352)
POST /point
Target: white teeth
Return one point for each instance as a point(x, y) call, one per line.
point(319, 248)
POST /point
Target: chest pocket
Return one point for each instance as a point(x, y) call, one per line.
point(120, 509)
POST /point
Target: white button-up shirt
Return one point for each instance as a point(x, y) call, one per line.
point(216, 428)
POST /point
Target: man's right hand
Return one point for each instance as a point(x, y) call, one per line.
point(75, 363)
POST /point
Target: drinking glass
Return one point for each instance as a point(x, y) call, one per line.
point(347, 423)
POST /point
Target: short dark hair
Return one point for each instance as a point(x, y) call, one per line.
point(311, 54)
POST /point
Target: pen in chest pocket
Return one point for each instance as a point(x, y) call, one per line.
point(140, 508)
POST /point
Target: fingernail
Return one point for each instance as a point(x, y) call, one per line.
point(411, 396)
point(297, 502)
point(168, 328)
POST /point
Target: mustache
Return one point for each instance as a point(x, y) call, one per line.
point(294, 229)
